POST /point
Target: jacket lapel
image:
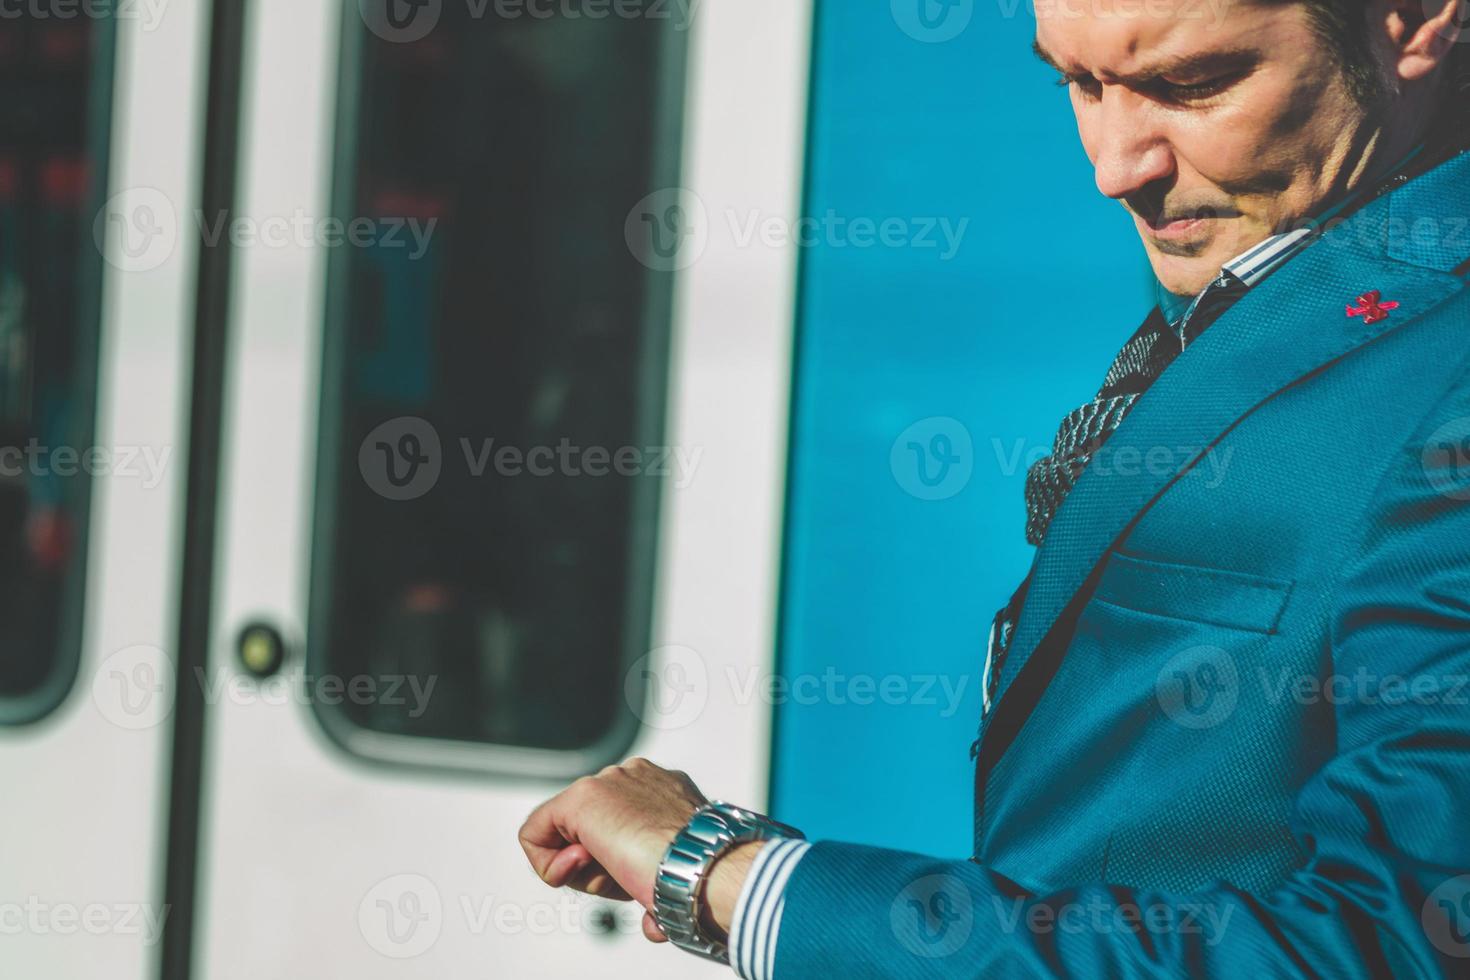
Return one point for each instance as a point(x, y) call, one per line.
point(1286, 329)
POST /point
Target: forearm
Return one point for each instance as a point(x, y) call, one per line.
point(858, 912)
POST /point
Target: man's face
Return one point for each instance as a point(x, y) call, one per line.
point(1216, 123)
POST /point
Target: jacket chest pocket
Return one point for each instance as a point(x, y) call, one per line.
point(1194, 594)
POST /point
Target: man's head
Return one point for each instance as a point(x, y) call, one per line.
point(1218, 123)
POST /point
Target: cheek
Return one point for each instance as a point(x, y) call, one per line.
point(1253, 148)
point(1220, 151)
point(1291, 124)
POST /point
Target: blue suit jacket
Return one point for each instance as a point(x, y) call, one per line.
point(1233, 733)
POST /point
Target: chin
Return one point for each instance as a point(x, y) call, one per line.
point(1185, 277)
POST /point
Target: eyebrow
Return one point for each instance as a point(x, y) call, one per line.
point(1045, 56)
point(1187, 65)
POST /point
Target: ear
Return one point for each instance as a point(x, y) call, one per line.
point(1422, 34)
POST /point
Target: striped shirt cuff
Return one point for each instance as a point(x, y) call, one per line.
point(757, 918)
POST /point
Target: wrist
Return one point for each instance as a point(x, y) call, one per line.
point(700, 878)
point(726, 878)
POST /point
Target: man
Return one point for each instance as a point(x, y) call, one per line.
point(1227, 725)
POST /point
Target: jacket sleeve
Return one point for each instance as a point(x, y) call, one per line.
point(1385, 825)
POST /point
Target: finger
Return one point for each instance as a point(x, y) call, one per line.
point(543, 835)
point(594, 880)
point(566, 865)
point(651, 931)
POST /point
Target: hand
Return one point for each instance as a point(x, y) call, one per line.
point(606, 834)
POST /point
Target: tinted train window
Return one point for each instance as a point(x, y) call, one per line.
point(55, 72)
point(494, 373)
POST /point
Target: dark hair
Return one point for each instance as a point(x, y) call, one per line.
point(1343, 26)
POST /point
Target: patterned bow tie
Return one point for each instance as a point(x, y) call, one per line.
point(1138, 365)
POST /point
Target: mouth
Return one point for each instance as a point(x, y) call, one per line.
point(1181, 224)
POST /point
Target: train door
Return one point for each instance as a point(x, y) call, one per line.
point(502, 463)
point(99, 139)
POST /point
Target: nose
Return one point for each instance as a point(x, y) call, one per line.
point(1131, 150)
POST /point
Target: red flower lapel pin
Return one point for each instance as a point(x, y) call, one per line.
point(1372, 307)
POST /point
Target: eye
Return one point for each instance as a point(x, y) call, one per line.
point(1088, 86)
point(1196, 91)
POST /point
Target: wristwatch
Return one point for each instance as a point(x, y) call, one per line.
point(683, 875)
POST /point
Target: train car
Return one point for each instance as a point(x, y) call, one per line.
point(415, 358)
point(404, 413)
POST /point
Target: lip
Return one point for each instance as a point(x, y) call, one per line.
point(1182, 228)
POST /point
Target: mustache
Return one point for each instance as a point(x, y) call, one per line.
point(1157, 214)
